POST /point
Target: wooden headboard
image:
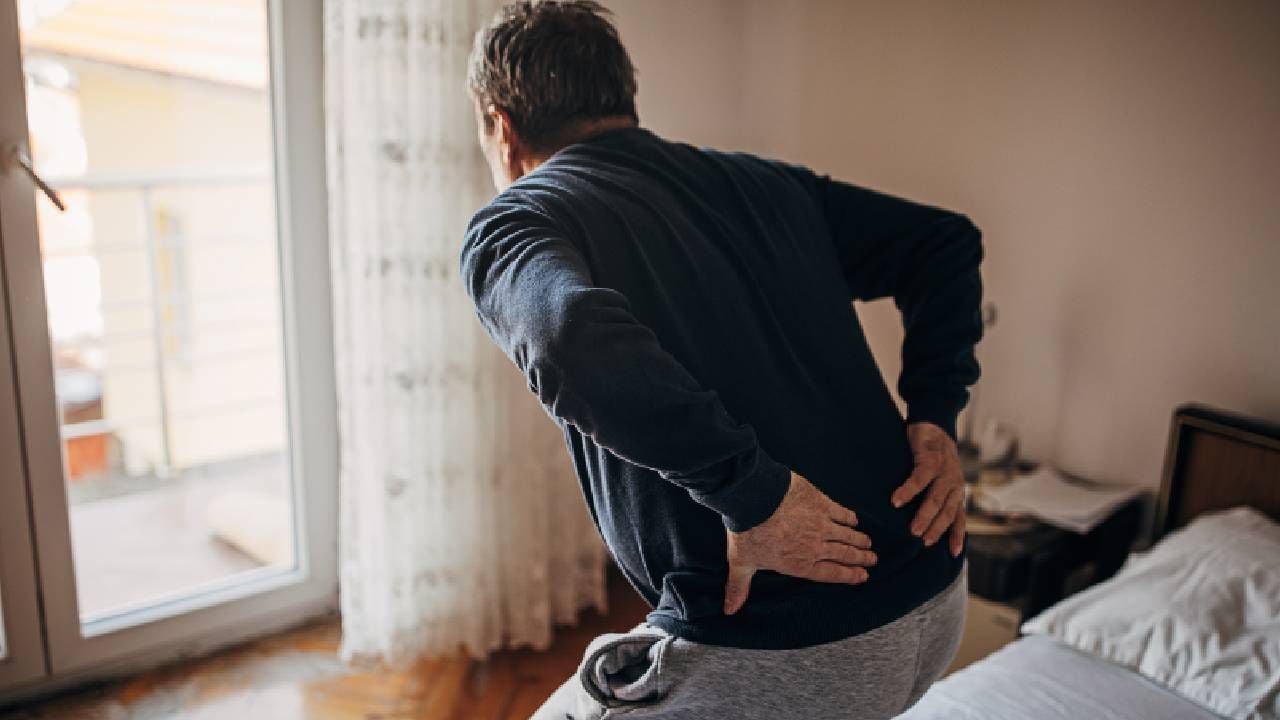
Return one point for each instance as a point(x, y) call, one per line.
point(1218, 460)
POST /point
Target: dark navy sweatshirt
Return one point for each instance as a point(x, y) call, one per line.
point(686, 317)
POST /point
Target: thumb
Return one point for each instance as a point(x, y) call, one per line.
point(737, 587)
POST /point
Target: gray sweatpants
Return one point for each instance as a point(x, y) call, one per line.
point(646, 673)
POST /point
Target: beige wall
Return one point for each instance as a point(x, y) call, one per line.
point(1122, 158)
point(688, 56)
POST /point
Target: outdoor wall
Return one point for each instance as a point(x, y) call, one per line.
point(217, 269)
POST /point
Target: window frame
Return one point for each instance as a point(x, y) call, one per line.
point(264, 601)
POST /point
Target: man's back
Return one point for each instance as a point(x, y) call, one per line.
point(686, 317)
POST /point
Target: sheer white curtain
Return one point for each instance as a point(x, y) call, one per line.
point(461, 522)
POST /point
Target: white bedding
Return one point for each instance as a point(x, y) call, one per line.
point(1186, 630)
point(1199, 613)
point(1037, 678)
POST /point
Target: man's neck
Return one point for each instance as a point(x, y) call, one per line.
point(577, 133)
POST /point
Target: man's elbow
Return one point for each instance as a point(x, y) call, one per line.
point(963, 240)
point(554, 332)
point(554, 369)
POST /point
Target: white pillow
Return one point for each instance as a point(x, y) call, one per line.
point(1198, 613)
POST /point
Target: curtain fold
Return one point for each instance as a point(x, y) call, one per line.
point(461, 522)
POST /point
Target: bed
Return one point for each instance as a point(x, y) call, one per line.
point(1188, 629)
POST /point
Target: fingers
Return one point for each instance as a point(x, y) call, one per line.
point(932, 505)
point(737, 587)
point(843, 515)
point(957, 533)
point(848, 536)
point(926, 471)
point(945, 517)
point(832, 572)
point(848, 555)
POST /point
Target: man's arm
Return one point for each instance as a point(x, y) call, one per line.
point(927, 260)
point(592, 364)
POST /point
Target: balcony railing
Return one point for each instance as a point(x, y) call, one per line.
point(162, 329)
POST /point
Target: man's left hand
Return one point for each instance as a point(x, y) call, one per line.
point(937, 468)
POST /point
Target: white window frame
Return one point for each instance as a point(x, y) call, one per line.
point(242, 608)
point(23, 661)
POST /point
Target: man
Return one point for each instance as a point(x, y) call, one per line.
point(686, 317)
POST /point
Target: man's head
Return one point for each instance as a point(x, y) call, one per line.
point(545, 74)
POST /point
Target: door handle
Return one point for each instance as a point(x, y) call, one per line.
point(14, 156)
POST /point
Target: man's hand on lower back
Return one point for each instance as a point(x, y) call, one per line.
point(808, 536)
point(937, 468)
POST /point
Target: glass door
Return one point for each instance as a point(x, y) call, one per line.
point(171, 327)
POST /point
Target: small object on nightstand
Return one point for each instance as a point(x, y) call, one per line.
point(994, 455)
point(998, 444)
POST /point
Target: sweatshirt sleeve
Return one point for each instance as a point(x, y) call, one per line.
point(593, 365)
point(927, 260)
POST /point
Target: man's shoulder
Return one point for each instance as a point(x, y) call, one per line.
point(775, 174)
point(508, 215)
point(510, 208)
point(616, 149)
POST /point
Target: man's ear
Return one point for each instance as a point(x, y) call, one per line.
point(509, 144)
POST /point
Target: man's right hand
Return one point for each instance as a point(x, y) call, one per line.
point(808, 536)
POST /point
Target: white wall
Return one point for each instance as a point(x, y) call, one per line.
point(1123, 160)
point(688, 57)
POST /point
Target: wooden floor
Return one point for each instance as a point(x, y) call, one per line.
point(297, 675)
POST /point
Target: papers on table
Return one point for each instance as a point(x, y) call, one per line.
point(1052, 498)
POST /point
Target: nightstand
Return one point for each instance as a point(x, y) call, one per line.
point(1015, 574)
